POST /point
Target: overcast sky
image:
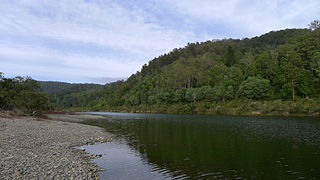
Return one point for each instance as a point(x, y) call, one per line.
point(102, 40)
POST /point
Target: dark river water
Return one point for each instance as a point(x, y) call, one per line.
point(158, 146)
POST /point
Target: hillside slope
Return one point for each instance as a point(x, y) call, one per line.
point(66, 95)
point(276, 72)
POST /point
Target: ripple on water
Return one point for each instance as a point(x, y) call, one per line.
point(182, 147)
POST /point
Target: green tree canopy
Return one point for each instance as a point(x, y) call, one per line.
point(254, 87)
point(22, 93)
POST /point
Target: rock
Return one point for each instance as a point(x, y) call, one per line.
point(99, 155)
point(256, 113)
point(285, 113)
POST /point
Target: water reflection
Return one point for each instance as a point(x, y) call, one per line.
point(215, 147)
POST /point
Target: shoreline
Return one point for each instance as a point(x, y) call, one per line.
point(252, 113)
point(47, 148)
point(302, 108)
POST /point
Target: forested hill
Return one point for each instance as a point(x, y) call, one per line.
point(228, 49)
point(276, 72)
point(65, 95)
point(54, 87)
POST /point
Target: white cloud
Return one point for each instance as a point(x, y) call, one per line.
point(251, 17)
point(44, 62)
point(106, 25)
point(103, 24)
point(126, 34)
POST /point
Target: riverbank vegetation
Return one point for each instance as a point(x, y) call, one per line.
point(303, 107)
point(22, 94)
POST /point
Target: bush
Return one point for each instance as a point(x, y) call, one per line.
point(193, 95)
point(179, 95)
point(22, 93)
point(30, 101)
point(254, 88)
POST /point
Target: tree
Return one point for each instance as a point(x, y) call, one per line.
point(193, 94)
point(305, 82)
point(314, 25)
point(255, 87)
point(219, 92)
point(225, 88)
point(245, 62)
point(179, 95)
point(217, 73)
point(231, 59)
point(208, 93)
point(266, 64)
point(315, 65)
point(31, 101)
point(235, 78)
point(292, 65)
point(22, 93)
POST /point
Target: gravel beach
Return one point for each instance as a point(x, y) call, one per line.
point(33, 148)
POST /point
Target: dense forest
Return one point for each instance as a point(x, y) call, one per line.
point(278, 72)
point(65, 95)
point(22, 94)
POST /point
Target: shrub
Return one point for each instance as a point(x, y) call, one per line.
point(254, 88)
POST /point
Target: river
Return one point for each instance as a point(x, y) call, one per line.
point(160, 146)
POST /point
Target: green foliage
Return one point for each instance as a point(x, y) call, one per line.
point(193, 95)
point(315, 64)
point(180, 95)
point(32, 101)
point(254, 88)
point(22, 93)
point(66, 95)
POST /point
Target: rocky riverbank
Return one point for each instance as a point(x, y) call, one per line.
point(34, 148)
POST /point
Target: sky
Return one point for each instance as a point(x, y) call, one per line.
point(99, 41)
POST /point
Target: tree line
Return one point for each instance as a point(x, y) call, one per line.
point(68, 95)
point(23, 94)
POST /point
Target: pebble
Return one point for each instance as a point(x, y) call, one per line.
point(31, 149)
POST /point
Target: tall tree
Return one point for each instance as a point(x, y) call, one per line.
point(291, 69)
point(231, 57)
